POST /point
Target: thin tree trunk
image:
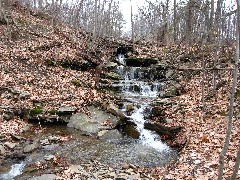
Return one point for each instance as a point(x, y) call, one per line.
point(231, 108)
point(175, 21)
point(95, 21)
point(132, 24)
point(236, 167)
point(0, 8)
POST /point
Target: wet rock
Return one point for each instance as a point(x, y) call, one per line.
point(130, 130)
point(129, 108)
point(94, 123)
point(140, 62)
point(163, 130)
point(101, 133)
point(75, 169)
point(44, 177)
point(50, 147)
point(157, 111)
point(111, 135)
point(113, 76)
point(31, 147)
point(44, 141)
point(117, 112)
point(17, 138)
point(49, 157)
point(10, 145)
point(67, 110)
point(111, 65)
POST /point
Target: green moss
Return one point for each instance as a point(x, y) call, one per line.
point(223, 113)
point(238, 94)
point(76, 82)
point(53, 111)
point(49, 62)
point(36, 110)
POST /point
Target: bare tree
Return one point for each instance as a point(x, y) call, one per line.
point(231, 106)
point(175, 21)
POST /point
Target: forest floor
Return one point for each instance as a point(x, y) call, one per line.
point(32, 72)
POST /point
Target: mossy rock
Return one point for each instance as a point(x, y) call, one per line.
point(36, 110)
point(53, 111)
point(238, 94)
point(113, 76)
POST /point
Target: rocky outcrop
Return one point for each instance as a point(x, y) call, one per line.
point(92, 124)
point(163, 130)
point(140, 62)
point(117, 112)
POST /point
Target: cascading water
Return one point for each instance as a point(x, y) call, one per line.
point(16, 170)
point(141, 92)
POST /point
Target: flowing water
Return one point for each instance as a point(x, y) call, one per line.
point(139, 86)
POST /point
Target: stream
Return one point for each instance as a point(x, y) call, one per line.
point(138, 88)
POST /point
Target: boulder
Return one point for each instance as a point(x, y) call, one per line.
point(97, 120)
point(162, 130)
point(113, 109)
point(131, 131)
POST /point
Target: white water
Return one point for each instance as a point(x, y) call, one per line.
point(16, 170)
point(147, 92)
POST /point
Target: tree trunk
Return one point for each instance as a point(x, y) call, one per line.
point(189, 23)
point(175, 21)
point(210, 30)
point(95, 21)
point(132, 24)
point(0, 8)
point(236, 168)
point(231, 108)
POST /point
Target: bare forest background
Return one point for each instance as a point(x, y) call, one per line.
point(164, 22)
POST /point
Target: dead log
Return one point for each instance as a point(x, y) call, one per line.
point(162, 130)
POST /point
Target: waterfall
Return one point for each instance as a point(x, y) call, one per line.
point(141, 90)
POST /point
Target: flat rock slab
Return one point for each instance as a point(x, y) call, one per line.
point(93, 123)
point(44, 177)
point(31, 147)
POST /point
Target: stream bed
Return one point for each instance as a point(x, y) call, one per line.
point(137, 87)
